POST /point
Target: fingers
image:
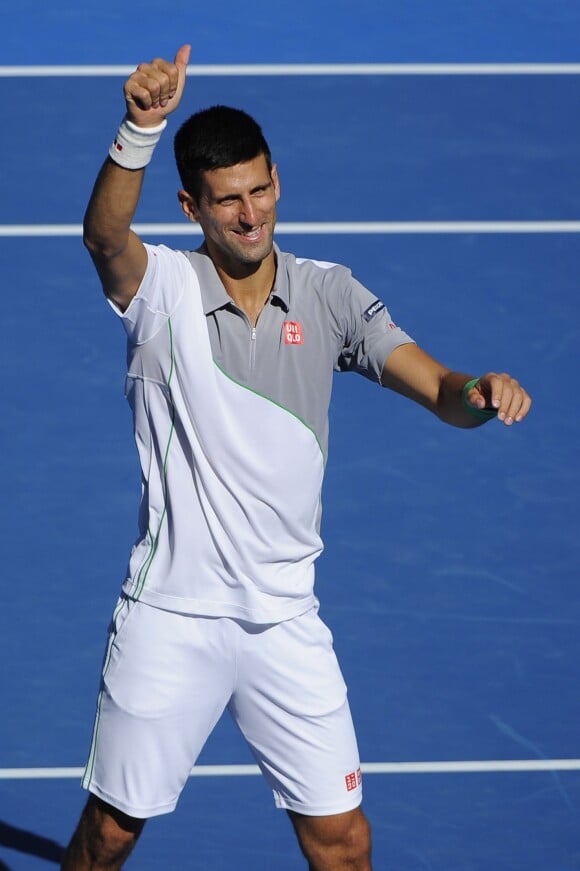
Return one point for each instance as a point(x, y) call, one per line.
point(156, 87)
point(152, 85)
point(505, 394)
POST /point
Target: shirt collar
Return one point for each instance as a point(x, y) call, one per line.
point(214, 295)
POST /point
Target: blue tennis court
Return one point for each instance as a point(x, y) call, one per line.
point(450, 576)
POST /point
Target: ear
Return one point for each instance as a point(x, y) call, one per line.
point(188, 205)
point(276, 180)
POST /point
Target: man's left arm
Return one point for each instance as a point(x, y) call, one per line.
point(456, 398)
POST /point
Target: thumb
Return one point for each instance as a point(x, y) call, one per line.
point(182, 56)
point(480, 396)
point(181, 60)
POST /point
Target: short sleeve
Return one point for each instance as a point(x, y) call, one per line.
point(158, 295)
point(370, 334)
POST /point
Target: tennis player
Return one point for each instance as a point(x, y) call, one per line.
point(231, 353)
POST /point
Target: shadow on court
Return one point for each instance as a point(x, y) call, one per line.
point(29, 843)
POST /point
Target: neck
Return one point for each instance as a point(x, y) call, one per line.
point(249, 285)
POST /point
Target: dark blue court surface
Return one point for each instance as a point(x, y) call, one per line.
point(313, 31)
point(450, 578)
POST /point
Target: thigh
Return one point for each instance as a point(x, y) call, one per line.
point(166, 680)
point(291, 704)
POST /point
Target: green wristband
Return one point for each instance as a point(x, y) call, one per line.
point(477, 413)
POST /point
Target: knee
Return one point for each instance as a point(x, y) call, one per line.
point(110, 839)
point(340, 841)
point(104, 838)
point(363, 837)
point(355, 843)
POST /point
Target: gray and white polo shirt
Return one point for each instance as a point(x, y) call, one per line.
point(231, 426)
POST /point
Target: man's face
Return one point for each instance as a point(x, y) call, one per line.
point(237, 213)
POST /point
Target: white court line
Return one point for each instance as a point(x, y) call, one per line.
point(468, 767)
point(345, 69)
point(317, 228)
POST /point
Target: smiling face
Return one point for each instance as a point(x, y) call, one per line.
point(236, 210)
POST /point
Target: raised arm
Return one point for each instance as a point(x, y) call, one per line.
point(152, 92)
point(456, 398)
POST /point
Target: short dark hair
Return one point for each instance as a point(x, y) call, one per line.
point(214, 138)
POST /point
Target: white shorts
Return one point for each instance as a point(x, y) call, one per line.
point(168, 677)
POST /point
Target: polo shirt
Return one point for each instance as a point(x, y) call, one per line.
point(231, 427)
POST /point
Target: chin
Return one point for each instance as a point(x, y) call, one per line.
point(255, 255)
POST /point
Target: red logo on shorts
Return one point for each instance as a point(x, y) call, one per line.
point(293, 333)
point(353, 780)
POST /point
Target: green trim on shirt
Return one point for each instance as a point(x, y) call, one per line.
point(269, 399)
point(154, 541)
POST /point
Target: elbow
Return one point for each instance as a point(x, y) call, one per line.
point(101, 246)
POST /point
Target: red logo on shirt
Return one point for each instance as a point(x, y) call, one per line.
point(293, 333)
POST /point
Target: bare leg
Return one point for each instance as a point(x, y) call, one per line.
point(103, 839)
point(341, 842)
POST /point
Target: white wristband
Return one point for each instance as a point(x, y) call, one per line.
point(133, 146)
